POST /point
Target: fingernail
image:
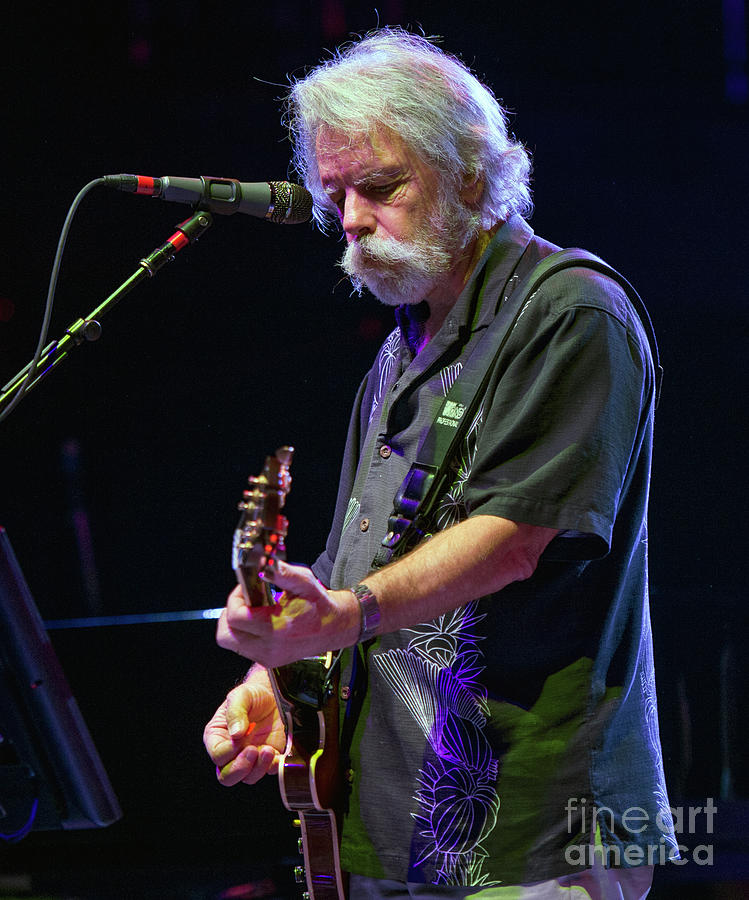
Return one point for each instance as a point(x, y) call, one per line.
point(235, 728)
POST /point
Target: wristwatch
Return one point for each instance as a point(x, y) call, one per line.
point(370, 611)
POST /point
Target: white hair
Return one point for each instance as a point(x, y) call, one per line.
point(400, 81)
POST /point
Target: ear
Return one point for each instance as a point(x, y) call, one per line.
point(472, 190)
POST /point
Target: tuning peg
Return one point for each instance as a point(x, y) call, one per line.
point(284, 455)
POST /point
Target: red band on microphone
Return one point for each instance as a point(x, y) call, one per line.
point(145, 185)
point(179, 240)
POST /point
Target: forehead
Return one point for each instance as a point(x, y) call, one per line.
point(346, 157)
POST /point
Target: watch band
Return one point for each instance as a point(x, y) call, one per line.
point(370, 611)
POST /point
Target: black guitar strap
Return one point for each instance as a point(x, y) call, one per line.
point(428, 478)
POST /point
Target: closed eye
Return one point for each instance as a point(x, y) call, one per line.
point(385, 189)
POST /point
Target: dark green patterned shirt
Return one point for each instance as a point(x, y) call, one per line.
point(495, 740)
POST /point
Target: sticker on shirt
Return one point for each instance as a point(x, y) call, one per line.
point(451, 507)
point(451, 413)
point(436, 678)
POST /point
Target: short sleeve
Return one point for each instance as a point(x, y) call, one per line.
point(571, 395)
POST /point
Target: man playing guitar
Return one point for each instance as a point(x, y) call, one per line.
point(507, 656)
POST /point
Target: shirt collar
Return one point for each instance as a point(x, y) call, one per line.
point(487, 285)
point(476, 305)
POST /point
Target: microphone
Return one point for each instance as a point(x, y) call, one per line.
point(277, 201)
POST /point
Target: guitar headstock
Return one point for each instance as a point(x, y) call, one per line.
point(259, 538)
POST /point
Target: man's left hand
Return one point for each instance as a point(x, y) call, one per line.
point(307, 620)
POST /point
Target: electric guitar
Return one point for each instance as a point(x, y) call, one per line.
point(306, 692)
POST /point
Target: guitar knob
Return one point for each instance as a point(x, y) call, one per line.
point(299, 876)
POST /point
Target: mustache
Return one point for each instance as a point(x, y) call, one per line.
point(395, 271)
point(375, 250)
point(388, 257)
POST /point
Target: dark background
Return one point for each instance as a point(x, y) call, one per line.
point(120, 474)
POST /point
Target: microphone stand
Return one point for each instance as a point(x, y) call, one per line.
point(89, 328)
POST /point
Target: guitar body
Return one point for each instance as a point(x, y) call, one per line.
point(306, 692)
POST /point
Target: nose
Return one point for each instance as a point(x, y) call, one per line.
point(357, 216)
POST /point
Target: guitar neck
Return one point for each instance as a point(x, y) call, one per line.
point(305, 691)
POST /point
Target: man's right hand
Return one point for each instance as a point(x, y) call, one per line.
point(245, 737)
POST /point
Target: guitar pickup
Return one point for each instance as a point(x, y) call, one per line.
point(305, 682)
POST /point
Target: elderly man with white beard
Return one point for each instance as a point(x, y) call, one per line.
point(507, 727)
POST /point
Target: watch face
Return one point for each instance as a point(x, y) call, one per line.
point(370, 611)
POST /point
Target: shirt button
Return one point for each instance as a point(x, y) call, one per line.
point(385, 451)
point(364, 525)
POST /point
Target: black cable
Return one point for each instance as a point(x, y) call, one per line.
point(31, 373)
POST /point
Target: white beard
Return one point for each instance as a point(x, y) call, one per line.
point(401, 271)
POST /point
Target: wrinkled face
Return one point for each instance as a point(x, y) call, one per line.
point(399, 244)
